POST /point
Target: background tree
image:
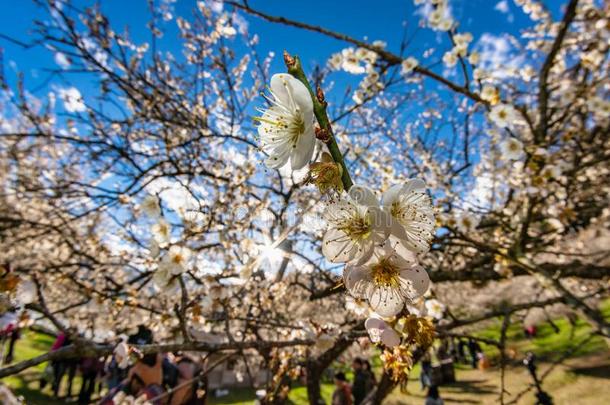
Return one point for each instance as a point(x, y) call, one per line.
point(146, 200)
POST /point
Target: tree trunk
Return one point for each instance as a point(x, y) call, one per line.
point(313, 383)
point(315, 367)
point(382, 390)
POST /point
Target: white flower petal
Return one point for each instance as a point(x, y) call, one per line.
point(391, 195)
point(385, 302)
point(364, 196)
point(398, 246)
point(282, 84)
point(374, 323)
point(390, 338)
point(304, 150)
point(338, 247)
point(414, 185)
point(419, 281)
point(356, 280)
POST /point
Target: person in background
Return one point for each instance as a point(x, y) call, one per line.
point(143, 336)
point(461, 351)
point(425, 375)
point(114, 374)
point(90, 367)
point(474, 348)
point(530, 331)
point(433, 397)
point(342, 394)
point(484, 363)
point(9, 330)
point(61, 367)
point(370, 376)
point(359, 385)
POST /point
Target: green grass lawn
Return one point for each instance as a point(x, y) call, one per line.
point(548, 345)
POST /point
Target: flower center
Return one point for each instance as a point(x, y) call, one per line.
point(404, 213)
point(290, 123)
point(297, 127)
point(357, 228)
point(385, 274)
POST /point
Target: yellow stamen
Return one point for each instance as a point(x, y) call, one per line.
point(358, 228)
point(386, 274)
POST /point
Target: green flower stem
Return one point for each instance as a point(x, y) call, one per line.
point(319, 109)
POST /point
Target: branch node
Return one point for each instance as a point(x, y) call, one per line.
point(322, 134)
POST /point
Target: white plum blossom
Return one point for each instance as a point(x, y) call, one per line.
point(26, 292)
point(450, 58)
point(150, 206)
point(467, 222)
point(461, 43)
point(286, 127)
point(387, 280)
point(165, 280)
point(227, 31)
point(503, 115)
point(411, 214)
point(161, 232)
point(380, 332)
point(555, 224)
point(551, 171)
point(357, 307)
point(334, 62)
point(177, 259)
point(512, 149)
point(440, 17)
point(62, 60)
point(73, 101)
point(350, 62)
point(490, 93)
point(435, 308)
point(408, 65)
point(445, 24)
point(324, 337)
point(462, 39)
point(356, 225)
point(474, 58)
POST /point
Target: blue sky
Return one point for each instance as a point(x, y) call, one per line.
point(365, 19)
point(371, 20)
point(384, 20)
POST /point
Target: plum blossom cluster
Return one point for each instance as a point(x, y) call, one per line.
point(359, 61)
point(15, 292)
point(460, 49)
point(176, 258)
point(355, 60)
point(437, 14)
point(380, 241)
point(417, 327)
point(397, 358)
